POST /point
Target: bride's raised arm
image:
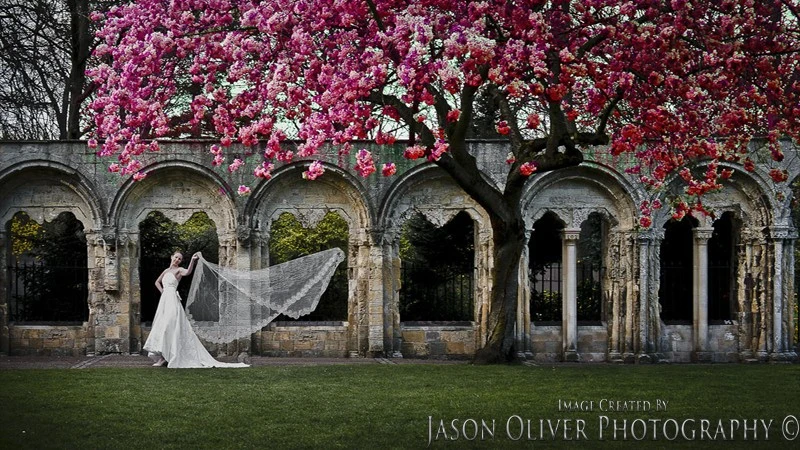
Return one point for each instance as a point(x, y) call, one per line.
point(189, 270)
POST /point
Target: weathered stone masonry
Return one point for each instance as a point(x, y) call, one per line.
point(47, 178)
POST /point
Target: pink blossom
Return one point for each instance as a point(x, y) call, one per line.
point(114, 168)
point(139, 176)
point(264, 170)
point(235, 165)
point(92, 143)
point(439, 149)
point(503, 128)
point(365, 166)
point(388, 169)
point(243, 190)
point(527, 168)
point(314, 170)
point(453, 115)
point(414, 152)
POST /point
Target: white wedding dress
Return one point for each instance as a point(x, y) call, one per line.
point(172, 336)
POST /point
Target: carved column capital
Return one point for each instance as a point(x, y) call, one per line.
point(243, 233)
point(782, 232)
point(571, 234)
point(702, 234)
point(109, 234)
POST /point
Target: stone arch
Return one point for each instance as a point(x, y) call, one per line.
point(745, 194)
point(177, 189)
point(572, 195)
point(47, 188)
point(43, 190)
point(430, 191)
point(758, 288)
point(309, 201)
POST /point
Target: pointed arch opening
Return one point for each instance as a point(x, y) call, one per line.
point(160, 238)
point(676, 280)
point(437, 270)
point(48, 275)
point(545, 271)
point(289, 239)
point(722, 269)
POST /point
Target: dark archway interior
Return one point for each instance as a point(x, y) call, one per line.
point(437, 273)
point(160, 238)
point(47, 270)
point(675, 290)
point(545, 269)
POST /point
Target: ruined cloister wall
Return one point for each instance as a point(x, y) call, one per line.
point(47, 178)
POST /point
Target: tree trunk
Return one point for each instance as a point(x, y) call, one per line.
point(80, 46)
point(509, 243)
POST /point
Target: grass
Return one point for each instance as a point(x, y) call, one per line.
point(380, 406)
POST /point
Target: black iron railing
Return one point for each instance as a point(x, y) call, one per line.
point(546, 296)
point(42, 293)
point(590, 292)
point(437, 294)
point(546, 300)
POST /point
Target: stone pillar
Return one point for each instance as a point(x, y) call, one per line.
point(392, 334)
point(647, 314)
point(752, 287)
point(375, 298)
point(631, 299)
point(614, 276)
point(523, 324)
point(700, 272)
point(4, 260)
point(365, 309)
point(246, 242)
point(569, 294)
point(782, 294)
point(101, 279)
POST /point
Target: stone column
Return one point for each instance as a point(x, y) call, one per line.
point(614, 275)
point(752, 287)
point(523, 325)
point(631, 299)
point(647, 333)
point(97, 255)
point(569, 294)
point(392, 334)
point(4, 260)
point(375, 300)
point(246, 242)
point(700, 272)
point(782, 293)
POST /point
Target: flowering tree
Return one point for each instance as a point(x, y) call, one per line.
point(671, 81)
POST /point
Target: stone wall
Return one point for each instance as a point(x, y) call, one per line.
point(438, 341)
point(723, 344)
point(49, 340)
point(45, 179)
point(547, 343)
point(303, 340)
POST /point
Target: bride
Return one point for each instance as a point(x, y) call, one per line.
point(171, 341)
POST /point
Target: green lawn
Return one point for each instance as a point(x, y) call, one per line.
point(385, 406)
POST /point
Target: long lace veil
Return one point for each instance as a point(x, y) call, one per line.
point(226, 304)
